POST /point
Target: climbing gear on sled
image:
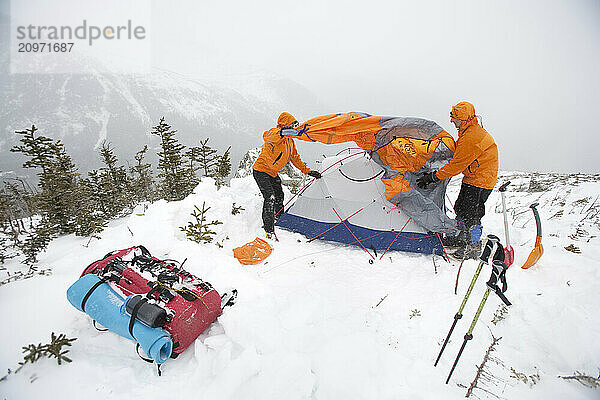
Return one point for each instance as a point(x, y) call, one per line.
point(151, 301)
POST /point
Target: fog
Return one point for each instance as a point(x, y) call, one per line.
point(530, 68)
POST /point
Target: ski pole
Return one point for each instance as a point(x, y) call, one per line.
point(490, 248)
point(498, 272)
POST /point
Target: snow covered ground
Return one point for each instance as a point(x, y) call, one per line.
point(310, 322)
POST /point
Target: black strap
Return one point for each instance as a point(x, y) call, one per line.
point(503, 280)
point(500, 292)
point(137, 350)
point(502, 296)
point(499, 274)
point(148, 360)
point(134, 313)
point(89, 293)
point(144, 250)
point(98, 329)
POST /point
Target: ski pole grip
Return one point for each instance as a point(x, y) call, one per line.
point(489, 248)
point(504, 186)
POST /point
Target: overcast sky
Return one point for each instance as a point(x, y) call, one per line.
point(529, 67)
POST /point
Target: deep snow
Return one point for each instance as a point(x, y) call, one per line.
point(306, 324)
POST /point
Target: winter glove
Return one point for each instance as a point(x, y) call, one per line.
point(426, 179)
point(314, 174)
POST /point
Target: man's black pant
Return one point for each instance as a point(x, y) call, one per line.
point(273, 198)
point(470, 204)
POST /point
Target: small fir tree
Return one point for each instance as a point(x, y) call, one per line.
point(207, 158)
point(192, 157)
point(14, 208)
point(236, 209)
point(59, 194)
point(58, 179)
point(36, 241)
point(3, 248)
point(173, 185)
point(115, 186)
point(223, 168)
point(199, 231)
point(91, 216)
point(20, 198)
point(39, 149)
point(54, 349)
point(143, 184)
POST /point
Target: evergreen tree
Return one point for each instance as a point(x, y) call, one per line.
point(40, 149)
point(143, 184)
point(15, 206)
point(57, 175)
point(200, 231)
point(174, 184)
point(192, 156)
point(59, 191)
point(206, 157)
point(114, 185)
point(36, 241)
point(222, 168)
point(91, 215)
point(59, 194)
point(6, 224)
point(3, 248)
point(6, 215)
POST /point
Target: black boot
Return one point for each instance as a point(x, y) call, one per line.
point(468, 251)
point(452, 241)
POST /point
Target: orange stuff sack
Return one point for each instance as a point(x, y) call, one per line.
point(253, 252)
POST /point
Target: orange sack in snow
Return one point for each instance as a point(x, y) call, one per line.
point(253, 252)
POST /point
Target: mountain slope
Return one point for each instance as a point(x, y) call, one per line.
point(84, 109)
point(310, 322)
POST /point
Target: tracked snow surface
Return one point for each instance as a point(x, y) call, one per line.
point(310, 322)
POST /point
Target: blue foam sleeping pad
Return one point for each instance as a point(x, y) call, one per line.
point(108, 308)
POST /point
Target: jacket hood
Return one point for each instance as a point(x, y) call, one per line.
point(465, 112)
point(285, 119)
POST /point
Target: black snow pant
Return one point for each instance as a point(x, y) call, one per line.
point(470, 204)
point(273, 198)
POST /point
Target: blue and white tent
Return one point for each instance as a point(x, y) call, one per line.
point(348, 205)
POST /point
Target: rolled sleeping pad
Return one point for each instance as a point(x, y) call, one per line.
point(108, 308)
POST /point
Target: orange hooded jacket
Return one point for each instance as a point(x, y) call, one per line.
point(476, 154)
point(278, 150)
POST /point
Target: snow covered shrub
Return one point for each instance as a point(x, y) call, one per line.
point(54, 349)
point(199, 231)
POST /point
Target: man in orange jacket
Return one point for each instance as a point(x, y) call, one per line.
point(276, 152)
point(476, 156)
